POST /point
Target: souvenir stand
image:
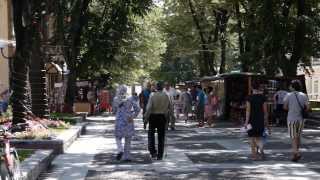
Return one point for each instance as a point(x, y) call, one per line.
point(218, 85)
point(82, 104)
point(55, 86)
point(234, 88)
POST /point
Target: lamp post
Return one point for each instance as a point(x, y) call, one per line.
point(7, 44)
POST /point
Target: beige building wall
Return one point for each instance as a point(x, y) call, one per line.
point(313, 80)
point(313, 84)
point(5, 32)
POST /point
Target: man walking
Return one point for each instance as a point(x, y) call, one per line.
point(157, 112)
point(278, 100)
point(186, 103)
point(295, 102)
point(144, 98)
point(200, 103)
point(170, 93)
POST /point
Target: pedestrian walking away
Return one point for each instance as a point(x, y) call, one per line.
point(296, 102)
point(200, 105)
point(280, 115)
point(126, 110)
point(257, 117)
point(157, 112)
point(143, 99)
point(209, 106)
point(171, 92)
point(186, 100)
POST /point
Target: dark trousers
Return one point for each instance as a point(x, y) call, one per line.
point(156, 121)
point(200, 114)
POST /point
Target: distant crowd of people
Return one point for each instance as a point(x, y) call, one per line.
point(194, 102)
point(162, 105)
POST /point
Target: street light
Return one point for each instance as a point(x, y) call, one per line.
point(4, 44)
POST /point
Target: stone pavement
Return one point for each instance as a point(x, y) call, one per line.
point(192, 153)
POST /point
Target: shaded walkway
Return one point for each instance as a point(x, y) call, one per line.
point(192, 153)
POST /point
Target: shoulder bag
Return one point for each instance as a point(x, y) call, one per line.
point(304, 111)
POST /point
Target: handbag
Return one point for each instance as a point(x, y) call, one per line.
point(304, 112)
point(246, 128)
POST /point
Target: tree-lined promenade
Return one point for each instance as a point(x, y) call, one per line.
point(129, 41)
point(79, 51)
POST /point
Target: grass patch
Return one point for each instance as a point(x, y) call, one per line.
point(67, 118)
point(24, 154)
point(315, 109)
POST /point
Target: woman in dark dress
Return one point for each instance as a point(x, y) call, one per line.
point(256, 115)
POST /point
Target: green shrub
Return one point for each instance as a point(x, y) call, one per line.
point(66, 117)
point(24, 154)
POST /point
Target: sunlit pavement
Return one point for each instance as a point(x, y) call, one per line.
point(192, 153)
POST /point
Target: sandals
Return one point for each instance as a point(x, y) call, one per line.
point(296, 157)
point(119, 156)
point(255, 157)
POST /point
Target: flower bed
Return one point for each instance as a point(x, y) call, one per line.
point(40, 128)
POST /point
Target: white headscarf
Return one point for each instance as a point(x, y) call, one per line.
point(121, 96)
point(122, 92)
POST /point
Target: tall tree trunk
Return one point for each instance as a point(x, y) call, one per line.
point(223, 56)
point(239, 28)
point(284, 63)
point(223, 39)
point(269, 60)
point(205, 50)
point(19, 65)
point(298, 48)
point(244, 66)
point(37, 78)
point(78, 18)
point(247, 62)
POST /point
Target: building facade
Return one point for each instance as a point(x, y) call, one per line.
point(313, 80)
point(5, 34)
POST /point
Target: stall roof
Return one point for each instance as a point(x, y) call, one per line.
point(192, 82)
point(225, 75)
point(240, 74)
point(210, 78)
point(219, 76)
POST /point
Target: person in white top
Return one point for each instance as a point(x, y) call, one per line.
point(278, 101)
point(171, 93)
point(296, 102)
point(186, 100)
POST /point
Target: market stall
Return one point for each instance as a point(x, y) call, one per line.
point(82, 103)
point(234, 88)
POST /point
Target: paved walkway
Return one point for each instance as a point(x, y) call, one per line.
point(192, 153)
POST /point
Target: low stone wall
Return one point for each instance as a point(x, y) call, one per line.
point(38, 162)
point(58, 144)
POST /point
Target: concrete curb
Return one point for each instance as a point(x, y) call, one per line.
point(38, 162)
point(59, 144)
point(71, 135)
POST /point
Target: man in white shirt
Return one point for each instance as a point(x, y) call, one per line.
point(296, 102)
point(157, 111)
point(171, 92)
point(278, 101)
